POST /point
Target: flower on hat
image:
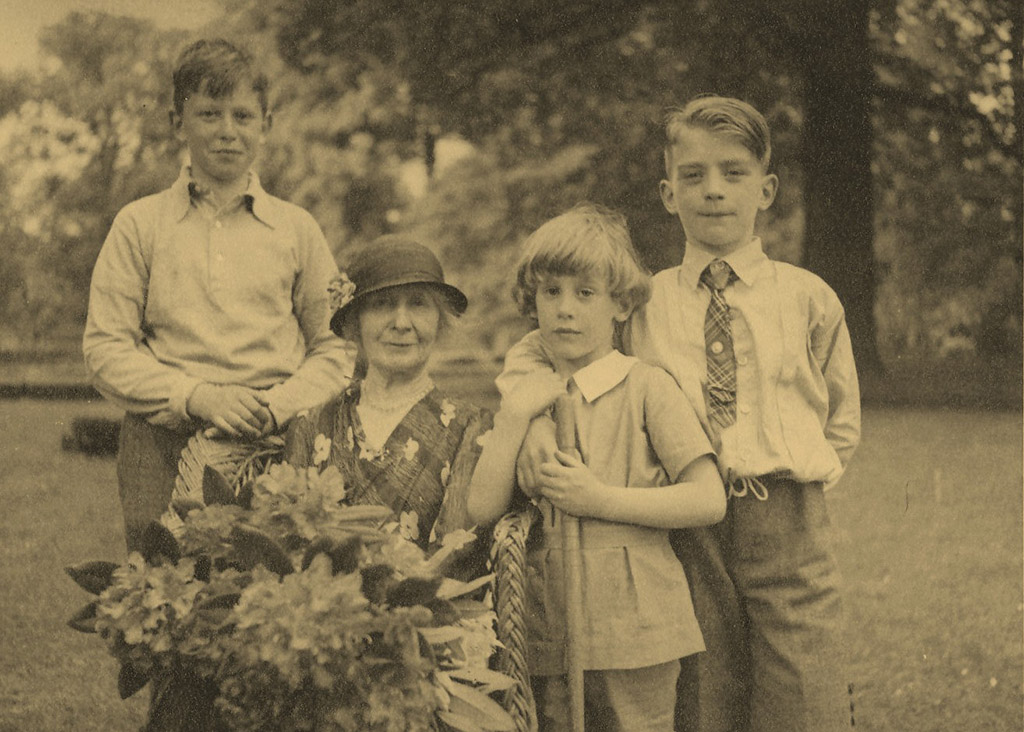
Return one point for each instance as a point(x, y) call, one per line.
point(342, 290)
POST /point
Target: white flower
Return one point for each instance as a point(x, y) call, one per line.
point(321, 449)
point(409, 525)
point(447, 412)
point(458, 539)
point(446, 473)
point(341, 291)
point(411, 448)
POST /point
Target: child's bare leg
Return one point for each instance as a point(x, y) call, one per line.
point(632, 700)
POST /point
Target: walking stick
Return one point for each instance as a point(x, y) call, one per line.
point(565, 436)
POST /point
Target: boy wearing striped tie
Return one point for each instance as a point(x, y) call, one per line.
point(763, 351)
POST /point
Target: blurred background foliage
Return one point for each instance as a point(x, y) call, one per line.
point(895, 135)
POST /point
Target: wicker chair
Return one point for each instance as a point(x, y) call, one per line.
point(240, 462)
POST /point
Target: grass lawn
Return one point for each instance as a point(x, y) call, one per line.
point(928, 524)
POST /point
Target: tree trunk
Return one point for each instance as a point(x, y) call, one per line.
point(838, 185)
point(1017, 81)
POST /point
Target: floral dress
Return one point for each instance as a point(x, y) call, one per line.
point(423, 470)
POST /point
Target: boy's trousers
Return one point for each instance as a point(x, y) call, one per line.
point(766, 592)
point(147, 465)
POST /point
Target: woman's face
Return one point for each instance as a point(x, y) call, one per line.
point(397, 330)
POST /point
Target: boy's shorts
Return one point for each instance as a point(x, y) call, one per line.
point(615, 700)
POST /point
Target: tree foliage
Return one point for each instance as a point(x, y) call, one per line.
point(469, 124)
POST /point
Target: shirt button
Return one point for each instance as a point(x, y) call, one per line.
point(217, 223)
point(745, 409)
point(717, 347)
point(742, 360)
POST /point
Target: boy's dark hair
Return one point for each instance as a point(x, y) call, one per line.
point(726, 115)
point(216, 67)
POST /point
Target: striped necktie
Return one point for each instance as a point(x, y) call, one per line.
point(718, 346)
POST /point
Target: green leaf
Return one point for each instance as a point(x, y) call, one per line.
point(344, 554)
point(182, 506)
point(203, 567)
point(492, 680)
point(470, 608)
point(480, 708)
point(444, 611)
point(444, 634)
point(216, 488)
point(454, 588)
point(254, 547)
point(213, 615)
point(376, 579)
point(130, 680)
point(227, 600)
point(413, 591)
point(367, 512)
point(158, 541)
point(459, 722)
point(93, 577)
point(244, 497)
point(85, 619)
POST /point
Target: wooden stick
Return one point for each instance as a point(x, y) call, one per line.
point(565, 436)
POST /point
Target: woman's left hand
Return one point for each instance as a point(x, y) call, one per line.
point(570, 485)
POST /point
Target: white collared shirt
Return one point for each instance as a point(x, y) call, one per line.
point(797, 395)
point(607, 372)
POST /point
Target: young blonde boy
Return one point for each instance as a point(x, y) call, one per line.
point(644, 466)
point(209, 301)
point(763, 347)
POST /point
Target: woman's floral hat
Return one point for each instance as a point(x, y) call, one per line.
point(389, 261)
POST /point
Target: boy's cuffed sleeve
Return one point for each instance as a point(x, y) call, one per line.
point(525, 357)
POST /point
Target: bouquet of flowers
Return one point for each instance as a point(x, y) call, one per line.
point(282, 608)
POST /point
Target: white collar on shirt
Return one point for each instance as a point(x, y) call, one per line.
point(745, 262)
point(603, 375)
point(261, 205)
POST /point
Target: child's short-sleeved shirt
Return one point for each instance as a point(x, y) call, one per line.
point(635, 428)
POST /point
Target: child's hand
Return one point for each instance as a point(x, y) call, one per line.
point(532, 395)
point(570, 485)
point(538, 448)
point(237, 411)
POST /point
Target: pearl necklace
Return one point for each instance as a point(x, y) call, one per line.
point(375, 398)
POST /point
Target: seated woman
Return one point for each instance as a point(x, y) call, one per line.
point(396, 439)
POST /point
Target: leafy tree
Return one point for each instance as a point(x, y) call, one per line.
point(98, 141)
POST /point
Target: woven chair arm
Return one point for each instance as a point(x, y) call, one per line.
point(238, 461)
point(508, 560)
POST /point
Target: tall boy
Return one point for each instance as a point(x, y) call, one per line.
point(209, 301)
point(764, 347)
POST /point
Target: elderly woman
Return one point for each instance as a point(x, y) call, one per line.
point(396, 439)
